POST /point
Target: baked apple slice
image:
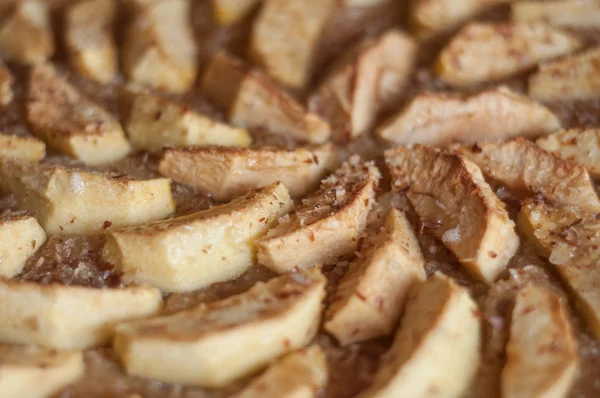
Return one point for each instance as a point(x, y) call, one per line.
point(71, 123)
point(580, 145)
point(153, 122)
point(253, 101)
point(226, 172)
point(371, 296)
point(26, 35)
point(429, 18)
point(298, 374)
point(436, 348)
point(28, 149)
point(569, 237)
point(541, 355)
point(20, 238)
point(197, 250)
point(573, 78)
point(450, 195)
point(159, 49)
point(69, 317)
point(582, 14)
point(492, 115)
point(286, 37)
point(526, 168)
point(89, 40)
point(30, 371)
point(483, 52)
point(327, 224)
point(80, 202)
point(359, 87)
point(212, 345)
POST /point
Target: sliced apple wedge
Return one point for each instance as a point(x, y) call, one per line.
point(492, 115)
point(300, 374)
point(212, 345)
point(327, 224)
point(226, 173)
point(197, 250)
point(78, 202)
point(33, 372)
point(542, 356)
point(228, 12)
point(153, 122)
point(285, 38)
point(28, 149)
point(583, 14)
point(71, 123)
point(371, 296)
point(483, 52)
point(89, 40)
point(253, 101)
point(450, 195)
point(356, 90)
point(569, 237)
point(579, 145)
point(436, 348)
point(573, 78)
point(69, 317)
point(430, 18)
point(20, 238)
point(6, 82)
point(526, 168)
point(26, 35)
point(159, 49)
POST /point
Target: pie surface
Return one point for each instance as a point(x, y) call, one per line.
point(300, 198)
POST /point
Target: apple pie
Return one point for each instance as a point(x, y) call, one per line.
point(299, 198)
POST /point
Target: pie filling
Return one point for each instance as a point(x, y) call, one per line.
point(299, 198)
